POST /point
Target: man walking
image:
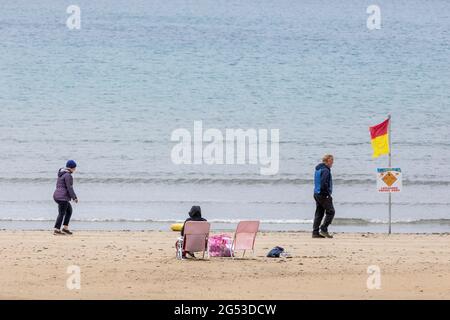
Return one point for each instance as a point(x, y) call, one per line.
point(323, 188)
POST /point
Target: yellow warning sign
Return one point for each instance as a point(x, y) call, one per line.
point(389, 179)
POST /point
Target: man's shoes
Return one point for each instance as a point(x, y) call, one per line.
point(318, 236)
point(325, 234)
point(58, 233)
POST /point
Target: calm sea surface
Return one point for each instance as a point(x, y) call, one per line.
point(110, 95)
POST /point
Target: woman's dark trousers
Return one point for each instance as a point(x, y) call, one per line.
point(64, 214)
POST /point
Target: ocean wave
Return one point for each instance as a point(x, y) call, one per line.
point(300, 143)
point(220, 201)
point(217, 180)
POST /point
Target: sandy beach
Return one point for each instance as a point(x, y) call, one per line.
point(142, 265)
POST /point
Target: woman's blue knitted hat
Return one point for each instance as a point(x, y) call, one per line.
point(71, 164)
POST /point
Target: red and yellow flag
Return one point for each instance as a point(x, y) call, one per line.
point(380, 138)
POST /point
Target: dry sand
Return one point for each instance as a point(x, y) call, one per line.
point(142, 265)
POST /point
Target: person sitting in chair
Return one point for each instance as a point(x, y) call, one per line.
point(195, 214)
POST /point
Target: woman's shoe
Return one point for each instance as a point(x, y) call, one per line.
point(67, 231)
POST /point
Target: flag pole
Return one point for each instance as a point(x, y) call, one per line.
point(390, 164)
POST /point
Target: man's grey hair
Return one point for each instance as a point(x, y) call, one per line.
point(327, 157)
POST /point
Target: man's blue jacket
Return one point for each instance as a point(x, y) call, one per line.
point(323, 182)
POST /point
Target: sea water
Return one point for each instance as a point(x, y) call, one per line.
point(110, 94)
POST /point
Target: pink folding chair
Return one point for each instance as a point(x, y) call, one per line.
point(196, 234)
point(244, 238)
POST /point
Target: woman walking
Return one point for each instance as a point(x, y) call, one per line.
point(63, 194)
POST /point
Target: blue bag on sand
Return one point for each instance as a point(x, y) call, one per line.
point(275, 252)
